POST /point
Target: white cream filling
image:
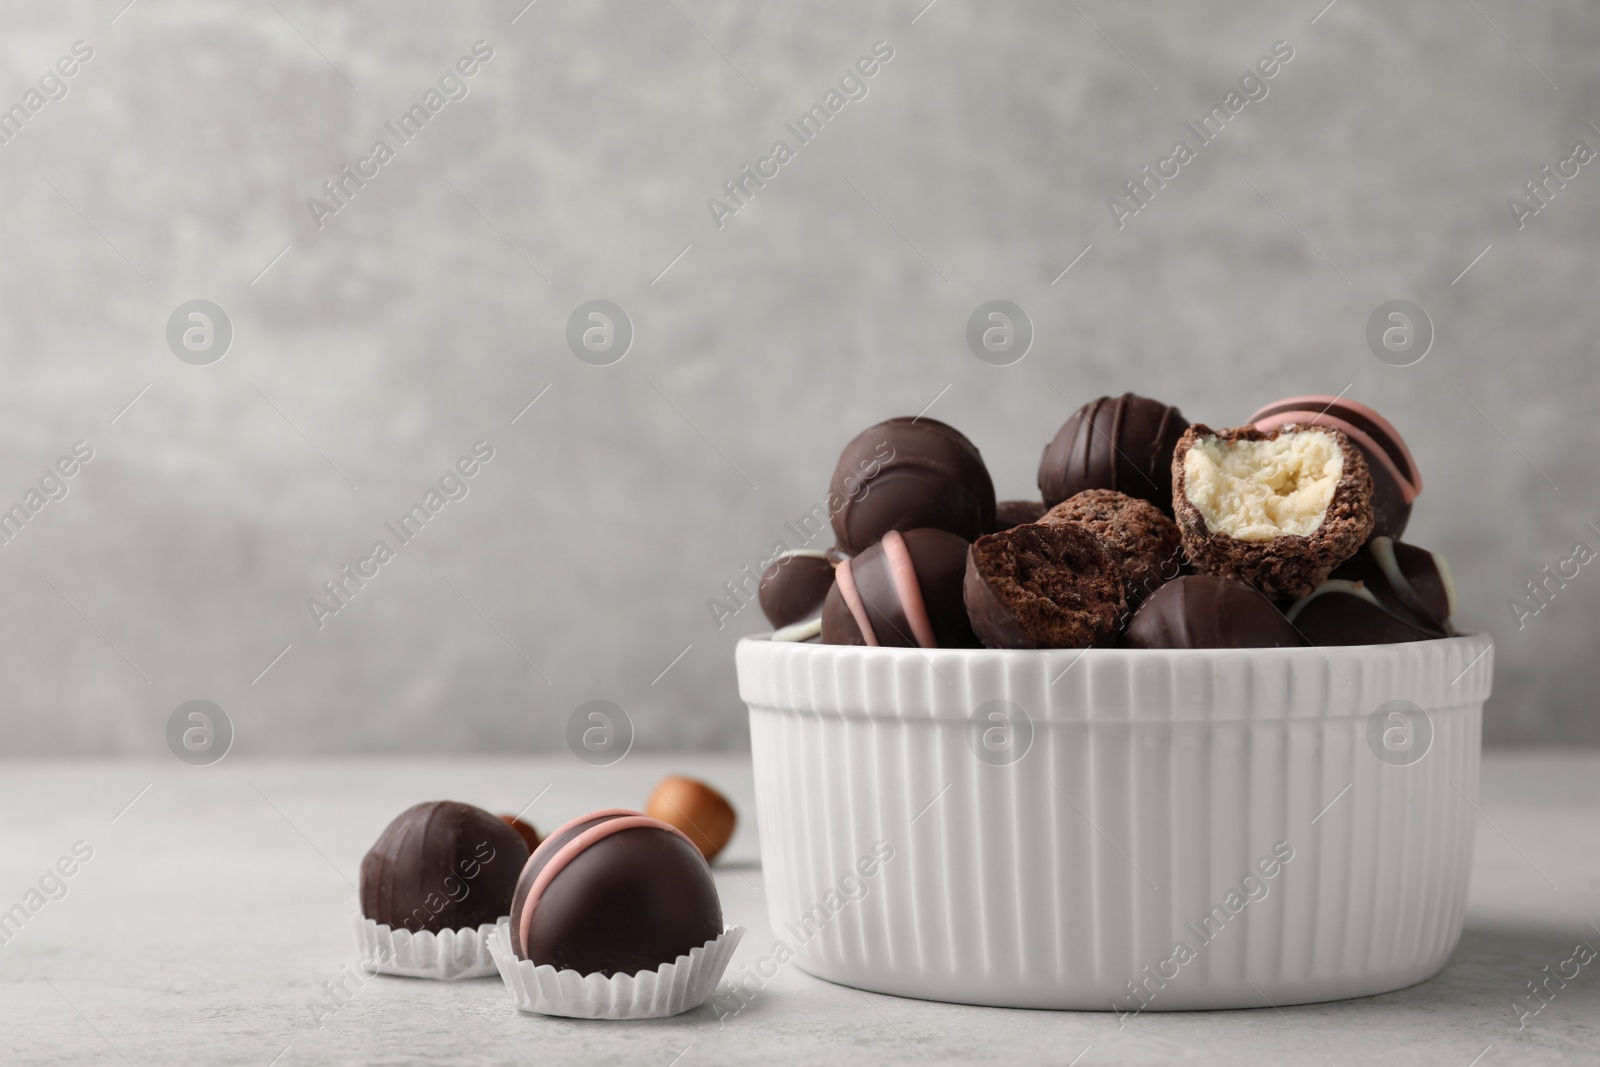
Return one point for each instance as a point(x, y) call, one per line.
point(1258, 490)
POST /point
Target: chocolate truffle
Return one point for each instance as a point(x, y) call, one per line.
point(1340, 612)
point(703, 814)
point(1396, 482)
point(614, 892)
point(907, 474)
point(1009, 513)
point(1410, 583)
point(441, 866)
point(793, 587)
point(1205, 611)
point(1039, 586)
point(1123, 443)
point(1142, 541)
point(903, 592)
point(1278, 510)
point(529, 835)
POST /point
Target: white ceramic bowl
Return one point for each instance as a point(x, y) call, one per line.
point(1127, 829)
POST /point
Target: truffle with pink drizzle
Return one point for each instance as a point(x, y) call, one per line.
point(614, 892)
point(904, 591)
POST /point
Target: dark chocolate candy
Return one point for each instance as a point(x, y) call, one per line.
point(794, 587)
point(1206, 611)
point(902, 592)
point(614, 892)
point(1268, 553)
point(1123, 443)
point(1340, 612)
point(1396, 482)
point(1143, 542)
point(441, 866)
point(906, 474)
point(1039, 586)
point(1009, 513)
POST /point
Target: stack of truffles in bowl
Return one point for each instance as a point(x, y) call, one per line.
point(1150, 533)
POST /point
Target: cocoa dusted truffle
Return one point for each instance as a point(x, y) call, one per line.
point(1205, 611)
point(1142, 541)
point(1278, 510)
point(1009, 513)
point(904, 592)
point(441, 866)
point(1123, 443)
point(1043, 586)
point(907, 474)
point(793, 588)
point(1396, 482)
point(614, 892)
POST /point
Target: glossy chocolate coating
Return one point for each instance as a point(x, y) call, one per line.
point(907, 474)
point(940, 560)
point(1123, 443)
point(1044, 586)
point(1207, 611)
point(441, 866)
point(793, 588)
point(1408, 582)
point(629, 902)
point(1339, 612)
point(1396, 481)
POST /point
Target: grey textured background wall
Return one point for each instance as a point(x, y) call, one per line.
point(371, 352)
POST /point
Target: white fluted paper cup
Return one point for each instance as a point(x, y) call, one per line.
point(1117, 829)
point(446, 955)
point(671, 989)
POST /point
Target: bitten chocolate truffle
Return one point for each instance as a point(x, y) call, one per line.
point(614, 892)
point(794, 587)
point(1143, 543)
point(1396, 482)
point(1340, 612)
point(1123, 443)
point(907, 474)
point(702, 813)
point(1043, 586)
point(441, 866)
point(904, 592)
point(1205, 611)
point(1278, 510)
point(1009, 513)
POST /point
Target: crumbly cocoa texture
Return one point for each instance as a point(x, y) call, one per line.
point(1141, 540)
point(1287, 566)
point(1039, 586)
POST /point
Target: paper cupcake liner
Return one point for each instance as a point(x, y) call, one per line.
point(446, 955)
point(670, 989)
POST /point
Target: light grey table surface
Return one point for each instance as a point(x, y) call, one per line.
point(217, 904)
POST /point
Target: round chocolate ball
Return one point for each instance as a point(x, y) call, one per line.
point(1043, 586)
point(614, 892)
point(907, 474)
point(1207, 611)
point(441, 866)
point(1143, 542)
point(793, 588)
point(1123, 443)
point(902, 592)
point(703, 814)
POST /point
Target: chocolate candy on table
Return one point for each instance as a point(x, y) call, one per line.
point(1276, 509)
point(441, 866)
point(905, 474)
point(1396, 482)
point(1207, 611)
point(1043, 586)
point(525, 830)
point(1009, 513)
point(793, 588)
point(1123, 443)
point(1143, 542)
point(904, 592)
point(614, 892)
point(702, 813)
